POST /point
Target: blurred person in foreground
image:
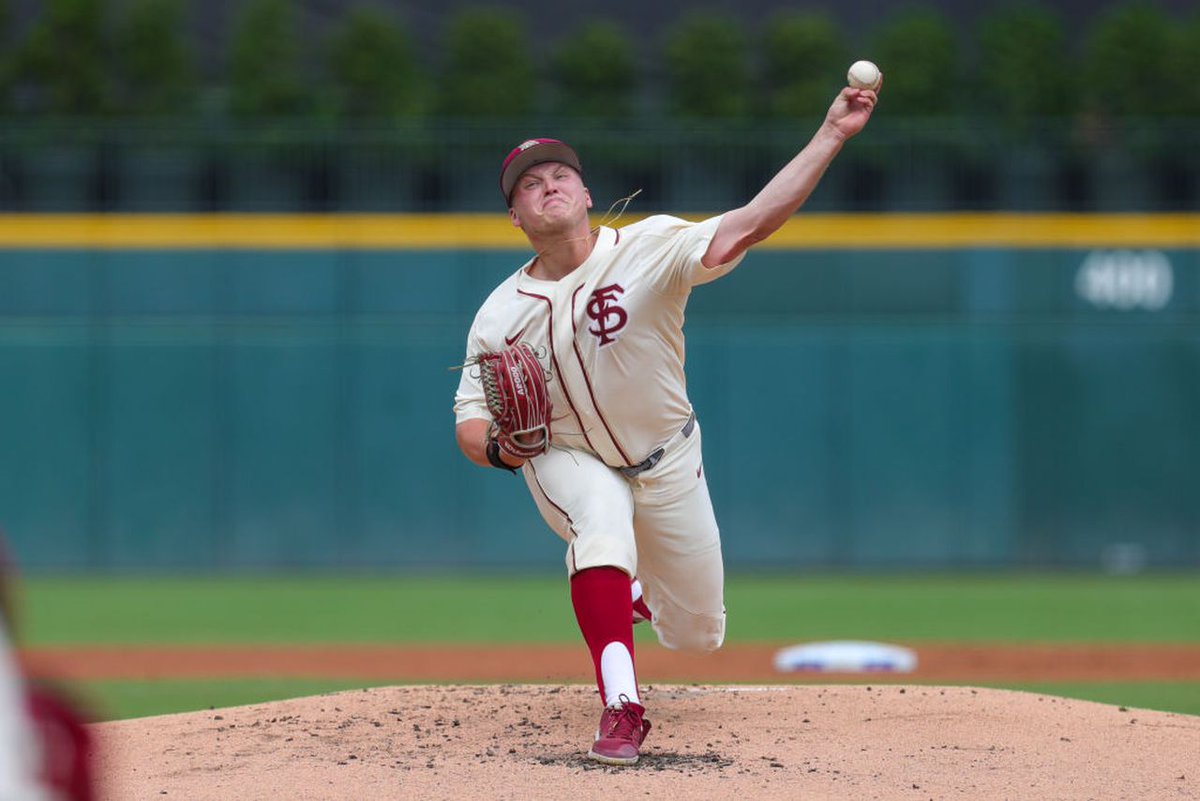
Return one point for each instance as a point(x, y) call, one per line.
point(575, 377)
point(44, 744)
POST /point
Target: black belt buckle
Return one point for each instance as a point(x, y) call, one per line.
point(641, 467)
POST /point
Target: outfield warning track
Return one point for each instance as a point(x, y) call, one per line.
point(569, 663)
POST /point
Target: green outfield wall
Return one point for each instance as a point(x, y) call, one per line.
point(875, 392)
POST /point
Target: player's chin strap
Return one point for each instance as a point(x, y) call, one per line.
point(624, 204)
point(608, 218)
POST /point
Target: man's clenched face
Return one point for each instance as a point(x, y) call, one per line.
point(549, 198)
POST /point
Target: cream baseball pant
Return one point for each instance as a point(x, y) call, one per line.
point(658, 526)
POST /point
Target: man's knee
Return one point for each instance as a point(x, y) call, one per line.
point(691, 632)
point(703, 642)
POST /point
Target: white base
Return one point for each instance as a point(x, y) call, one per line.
point(846, 656)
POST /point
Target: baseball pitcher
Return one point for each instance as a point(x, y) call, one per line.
point(575, 378)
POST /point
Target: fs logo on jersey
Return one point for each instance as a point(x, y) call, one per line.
point(610, 318)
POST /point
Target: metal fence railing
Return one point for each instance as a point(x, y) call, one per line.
point(897, 164)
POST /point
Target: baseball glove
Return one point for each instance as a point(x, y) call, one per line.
point(514, 385)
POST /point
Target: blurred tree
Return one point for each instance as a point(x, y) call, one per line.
point(265, 78)
point(803, 52)
point(596, 73)
point(1024, 70)
point(707, 67)
point(1126, 62)
point(64, 59)
point(1185, 66)
point(918, 54)
point(7, 58)
point(372, 67)
point(488, 70)
point(153, 63)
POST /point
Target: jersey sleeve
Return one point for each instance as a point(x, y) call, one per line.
point(677, 266)
point(469, 402)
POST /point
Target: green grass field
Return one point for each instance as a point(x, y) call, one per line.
point(396, 610)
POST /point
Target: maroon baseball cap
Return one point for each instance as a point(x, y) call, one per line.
point(529, 153)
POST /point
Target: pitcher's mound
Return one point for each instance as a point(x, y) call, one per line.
point(529, 742)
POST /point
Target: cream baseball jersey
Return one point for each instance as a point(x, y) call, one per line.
point(611, 335)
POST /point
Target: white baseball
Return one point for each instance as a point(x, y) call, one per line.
point(864, 75)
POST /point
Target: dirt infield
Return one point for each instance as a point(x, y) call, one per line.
point(569, 663)
point(527, 742)
point(517, 741)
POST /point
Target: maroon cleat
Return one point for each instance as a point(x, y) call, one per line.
point(619, 738)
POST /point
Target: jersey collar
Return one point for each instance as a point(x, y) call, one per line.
point(605, 241)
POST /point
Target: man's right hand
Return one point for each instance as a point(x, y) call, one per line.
point(473, 436)
point(851, 109)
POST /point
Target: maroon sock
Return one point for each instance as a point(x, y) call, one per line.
point(604, 611)
point(639, 606)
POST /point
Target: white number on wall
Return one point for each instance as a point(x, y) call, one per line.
point(1125, 279)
